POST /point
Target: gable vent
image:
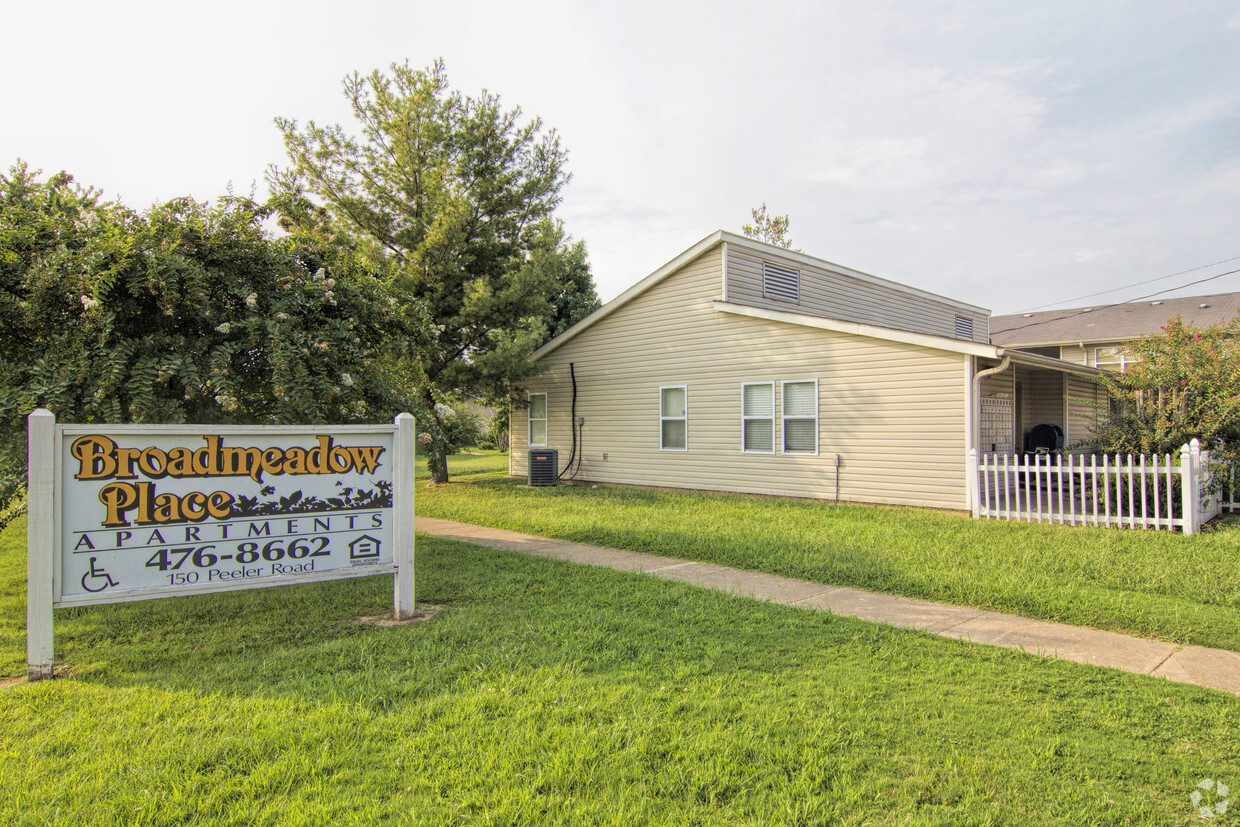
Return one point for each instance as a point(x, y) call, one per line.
point(964, 328)
point(779, 282)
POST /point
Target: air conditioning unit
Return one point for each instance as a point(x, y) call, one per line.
point(544, 466)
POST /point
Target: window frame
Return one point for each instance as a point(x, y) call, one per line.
point(530, 419)
point(745, 418)
point(783, 417)
point(1119, 353)
point(684, 416)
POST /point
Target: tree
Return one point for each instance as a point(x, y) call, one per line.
point(773, 229)
point(574, 297)
point(1184, 384)
point(456, 195)
point(187, 313)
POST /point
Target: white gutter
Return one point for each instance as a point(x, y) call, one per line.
point(1035, 360)
point(975, 425)
point(999, 368)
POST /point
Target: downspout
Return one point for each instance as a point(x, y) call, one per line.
point(977, 395)
point(725, 271)
point(975, 429)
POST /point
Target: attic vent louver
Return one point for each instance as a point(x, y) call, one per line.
point(964, 328)
point(779, 282)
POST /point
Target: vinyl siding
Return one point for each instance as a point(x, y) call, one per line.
point(1075, 354)
point(999, 383)
point(1042, 400)
point(894, 413)
point(835, 295)
point(1087, 401)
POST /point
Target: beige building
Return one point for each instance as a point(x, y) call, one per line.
point(740, 366)
point(1097, 335)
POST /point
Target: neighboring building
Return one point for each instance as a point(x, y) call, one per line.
point(1096, 335)
point(741, 366)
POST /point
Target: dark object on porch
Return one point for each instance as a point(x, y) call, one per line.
point(1041, 447)
point(1044, 439)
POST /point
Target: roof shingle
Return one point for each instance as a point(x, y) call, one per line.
point(1111, 322)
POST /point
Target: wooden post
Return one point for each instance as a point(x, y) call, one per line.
point(403, 465)
point(40, 542)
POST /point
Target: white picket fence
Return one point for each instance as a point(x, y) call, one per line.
point(1101, 490)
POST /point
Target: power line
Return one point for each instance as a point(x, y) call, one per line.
point(1182, 286)
point(1068, 314)
point(1136, 284)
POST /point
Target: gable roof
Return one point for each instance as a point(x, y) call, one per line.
point(1111, 322)
point(811, 321)
point(720, 237)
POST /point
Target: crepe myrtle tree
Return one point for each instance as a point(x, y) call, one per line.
point(1181, 384)
point(456, 195)
point(185, 313)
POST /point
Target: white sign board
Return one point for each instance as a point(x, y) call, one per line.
point(139, 512)
point(179, 510)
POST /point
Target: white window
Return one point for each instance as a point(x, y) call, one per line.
point(1113, 358)
point(538, 419)
point(673, 418)
point(800, 415)
point(758, 417)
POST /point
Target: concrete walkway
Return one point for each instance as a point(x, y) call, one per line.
point(1214, 668)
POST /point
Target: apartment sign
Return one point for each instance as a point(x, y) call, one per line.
point(202, 510)
point(140, 512)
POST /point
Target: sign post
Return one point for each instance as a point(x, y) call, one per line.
point(405, 443)
point(129, 512)
point(40, 542)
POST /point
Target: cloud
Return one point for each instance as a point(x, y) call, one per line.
point(984, 151)
point(1085, 256)
point(925, 127)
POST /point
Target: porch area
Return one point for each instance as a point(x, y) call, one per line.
point(1160, 492)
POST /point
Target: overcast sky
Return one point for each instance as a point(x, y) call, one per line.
point(1011, 155)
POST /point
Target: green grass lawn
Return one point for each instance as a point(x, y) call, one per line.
point(1152, 584)
point(548, 693)
point(476, 461)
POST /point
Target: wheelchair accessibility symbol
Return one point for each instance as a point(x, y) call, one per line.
point(96, 580)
